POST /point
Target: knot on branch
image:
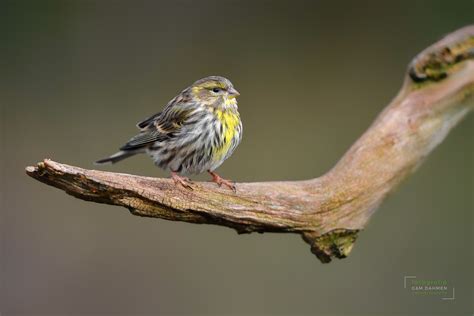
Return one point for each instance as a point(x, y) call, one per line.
point(436, 63)
point(337, 243)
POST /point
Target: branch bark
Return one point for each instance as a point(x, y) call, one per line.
point(328, 211)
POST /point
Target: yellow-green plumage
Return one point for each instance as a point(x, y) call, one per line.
point(230, 121)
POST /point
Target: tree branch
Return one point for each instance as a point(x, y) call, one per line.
point(327, 211)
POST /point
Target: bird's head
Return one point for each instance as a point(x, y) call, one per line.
point(214, 91)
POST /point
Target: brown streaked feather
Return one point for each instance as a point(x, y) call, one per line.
point(146, 122)
point(158, 128)
point(182, 98)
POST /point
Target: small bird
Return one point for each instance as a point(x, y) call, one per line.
point(196, 131)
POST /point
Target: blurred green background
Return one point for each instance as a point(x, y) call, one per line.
point(78, 75)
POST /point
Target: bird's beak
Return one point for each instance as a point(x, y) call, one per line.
point(233, 93)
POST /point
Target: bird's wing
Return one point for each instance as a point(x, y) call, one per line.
point(177, 102)
point(144, 139)
point(159, 127)
point(146, 122)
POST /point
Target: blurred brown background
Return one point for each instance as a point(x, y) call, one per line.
point(78, 75)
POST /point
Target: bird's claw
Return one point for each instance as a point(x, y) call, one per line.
point(221, 181)
point(183, 181)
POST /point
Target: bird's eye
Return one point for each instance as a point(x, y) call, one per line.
point(216, 90)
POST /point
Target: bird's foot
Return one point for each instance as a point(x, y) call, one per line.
point(220, 181)
point(179, 180)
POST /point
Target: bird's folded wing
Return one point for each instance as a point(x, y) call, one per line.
point(148, 121)
point(159, 127)
point(144, 139)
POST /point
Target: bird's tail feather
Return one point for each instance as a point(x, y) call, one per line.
point(118, 156)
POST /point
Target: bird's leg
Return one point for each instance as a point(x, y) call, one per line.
point(185, 182)
point(220, 181)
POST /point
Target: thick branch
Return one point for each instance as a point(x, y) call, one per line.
point(328, 211)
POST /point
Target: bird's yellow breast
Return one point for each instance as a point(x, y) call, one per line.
point(229, 120)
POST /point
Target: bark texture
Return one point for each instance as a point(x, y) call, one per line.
point(329, 211)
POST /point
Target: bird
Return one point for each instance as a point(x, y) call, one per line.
point(194, 133)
